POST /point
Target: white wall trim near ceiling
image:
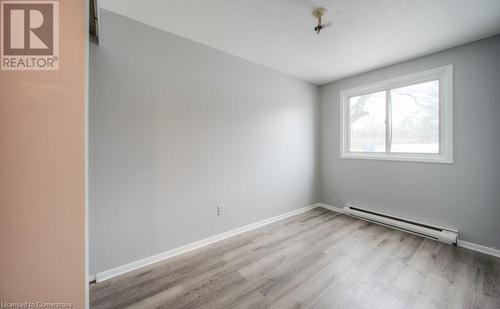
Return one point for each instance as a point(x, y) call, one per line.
point(461, 243)
point(108, 274)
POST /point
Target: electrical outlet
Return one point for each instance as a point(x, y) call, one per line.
point(220, 209)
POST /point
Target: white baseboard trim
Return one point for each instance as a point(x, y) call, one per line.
point(330, 207)
point(479, 248)
point(108, 274)
point(92, 278)
point(460, 243)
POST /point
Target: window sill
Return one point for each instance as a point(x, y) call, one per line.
point(427, 158)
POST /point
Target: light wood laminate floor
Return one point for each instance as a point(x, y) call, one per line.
point(318, 259)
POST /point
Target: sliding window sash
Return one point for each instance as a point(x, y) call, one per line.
point(445, 76)
point(388, 121)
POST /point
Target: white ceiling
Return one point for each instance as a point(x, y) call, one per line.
point(365, 35)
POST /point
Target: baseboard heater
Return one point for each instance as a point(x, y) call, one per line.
point(437, 233)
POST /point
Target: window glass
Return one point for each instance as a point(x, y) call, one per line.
point(367, 115)
point(415, 118)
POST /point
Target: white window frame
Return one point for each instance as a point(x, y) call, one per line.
point(445, 76)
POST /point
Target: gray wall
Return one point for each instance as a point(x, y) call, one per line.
point(464, 195)
point(175, 129)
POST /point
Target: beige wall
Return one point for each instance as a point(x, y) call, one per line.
point(42, 243)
